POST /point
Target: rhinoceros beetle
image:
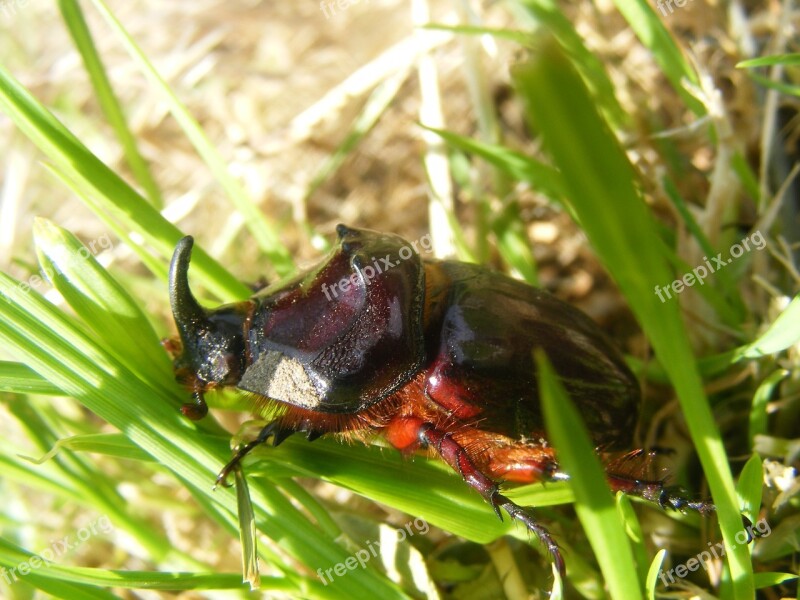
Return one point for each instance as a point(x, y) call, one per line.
point(431, 354)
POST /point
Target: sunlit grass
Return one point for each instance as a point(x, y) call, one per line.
point(90, 388)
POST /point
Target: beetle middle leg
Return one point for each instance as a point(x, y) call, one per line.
point(273, 429)
point(459, 459)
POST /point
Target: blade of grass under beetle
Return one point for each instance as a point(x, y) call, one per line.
point(382, 474)
point(108, 444)
point(593, 502)
point(44, 338)
point(21, 379)
point(425, 488)
point(247, 531)
point(601, 185)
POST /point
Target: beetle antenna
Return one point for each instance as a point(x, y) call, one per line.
point(187, 311)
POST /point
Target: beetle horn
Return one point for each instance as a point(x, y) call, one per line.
point(188, 313)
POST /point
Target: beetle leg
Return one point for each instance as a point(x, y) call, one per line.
point(459, 460)
point(667, 497)
point(272, 429)
point(197, 409)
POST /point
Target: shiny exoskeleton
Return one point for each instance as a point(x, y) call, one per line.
point(432, 354)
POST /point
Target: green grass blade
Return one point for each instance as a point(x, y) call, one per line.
point(764, 580)
point(727, 301)
point(758, 411)
point(602, 189)
point(375, 107)
point(21, 379)
point(63, 353)
point(73, 17)
point(12, 555)
point(263, 232)
point(594, 504)
point(783, 333)
point(749, 487)
point(655, 37)
point(784, 88)
point(425, 488)
point(591, 68)
point(114, 198)
point(653, 574)
point(768, 61)
point(100, 301)
point(109, 444)
point(542, 177)
point(247, 532)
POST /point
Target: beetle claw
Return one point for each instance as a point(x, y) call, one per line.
point(272, 429)
point(675, 498)
point(222, 477)
point(495, 502)
point(523, 516)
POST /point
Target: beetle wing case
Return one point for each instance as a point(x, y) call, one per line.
point(491, 324)
point(344, 336)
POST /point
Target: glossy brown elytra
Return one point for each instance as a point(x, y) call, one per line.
point(431, 354)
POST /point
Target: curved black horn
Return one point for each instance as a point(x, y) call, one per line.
point(187, 311)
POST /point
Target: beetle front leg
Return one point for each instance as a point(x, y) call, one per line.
point(272, 429)
point(457, 457)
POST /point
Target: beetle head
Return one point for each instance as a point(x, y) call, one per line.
point(212, 340)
